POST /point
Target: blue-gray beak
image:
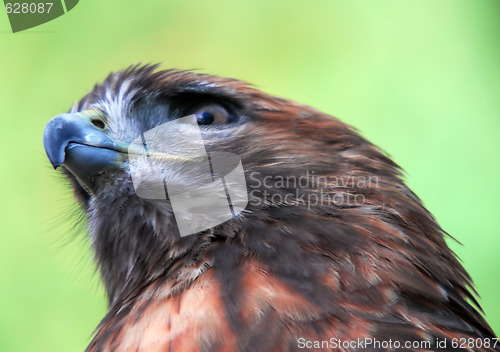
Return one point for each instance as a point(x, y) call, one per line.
point(82, 145)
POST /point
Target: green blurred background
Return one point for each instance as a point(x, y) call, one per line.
point(420, 78)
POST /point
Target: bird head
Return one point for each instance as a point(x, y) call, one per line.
point(96, 142)
point(302, 169)
point(314, 203)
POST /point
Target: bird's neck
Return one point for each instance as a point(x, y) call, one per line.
point(302, 248)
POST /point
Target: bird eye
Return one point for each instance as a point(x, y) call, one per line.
point(213, 114)
point(98, 123)
point(96, 117)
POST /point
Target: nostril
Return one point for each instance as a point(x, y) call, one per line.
point(98, 123)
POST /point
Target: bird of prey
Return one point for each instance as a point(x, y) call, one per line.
point(331, 252)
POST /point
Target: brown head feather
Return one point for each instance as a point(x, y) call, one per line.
point(375, 266)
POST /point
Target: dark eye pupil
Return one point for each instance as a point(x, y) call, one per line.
point(205, 118)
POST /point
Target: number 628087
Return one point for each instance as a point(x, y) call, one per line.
point(25, 7)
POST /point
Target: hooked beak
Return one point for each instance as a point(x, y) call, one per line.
point(80, 142)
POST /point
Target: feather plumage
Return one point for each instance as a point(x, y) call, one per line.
point(285, 269)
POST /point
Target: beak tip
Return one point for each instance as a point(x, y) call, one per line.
point(54, 143)
point(58, 161)
point(55, 156)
